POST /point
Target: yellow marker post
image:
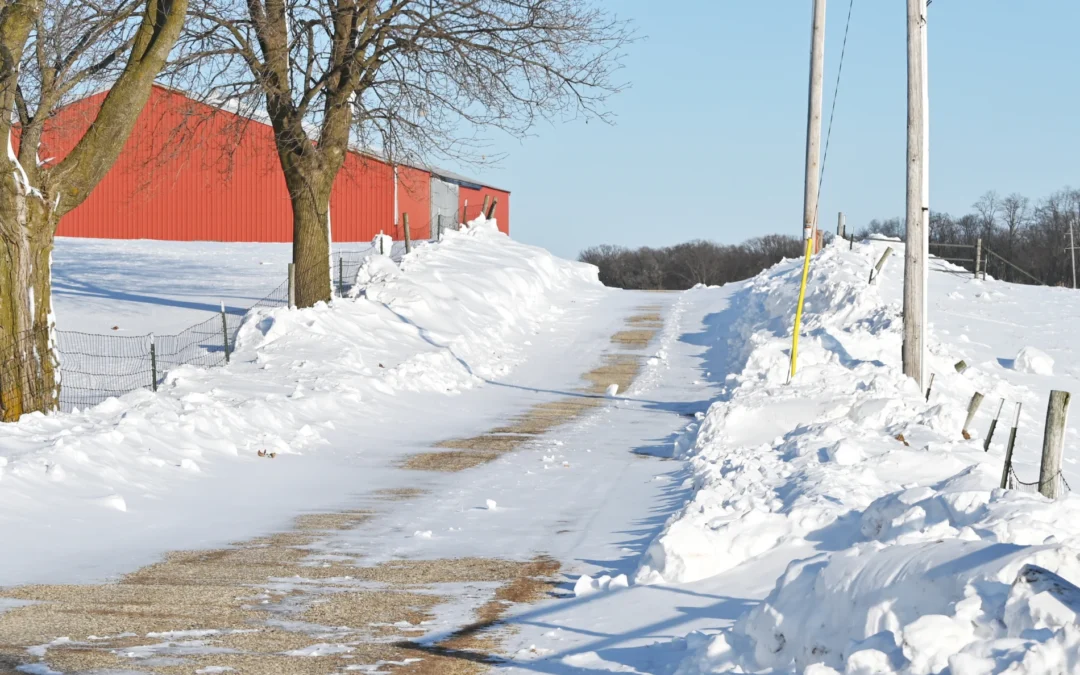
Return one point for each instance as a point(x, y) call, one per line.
point(798, 308)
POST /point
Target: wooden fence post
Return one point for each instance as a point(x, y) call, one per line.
point(292, 286)
point(483, 209)
point(1057, 412)
point(224, 331)
point(841, 226)
point(973, 407)
point(993, 426)
point(1009, 450)
point(408, 235)
point(153, 364)
point(465, 212)
point(978, 255)
point(491, 209)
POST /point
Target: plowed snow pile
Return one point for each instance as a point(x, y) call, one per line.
point(905, 553)
point(454, 314)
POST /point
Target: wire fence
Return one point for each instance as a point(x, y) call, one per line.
point(95, 367)
point(1014, 483)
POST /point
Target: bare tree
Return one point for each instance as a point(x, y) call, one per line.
point(50, 52)
point(1015, 212)
point(417, 79)
point(987, 208)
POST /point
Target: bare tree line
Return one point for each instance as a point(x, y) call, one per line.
point(1033, 235)
point(685, 265)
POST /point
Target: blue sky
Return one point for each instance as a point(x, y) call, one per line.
point(709, 140)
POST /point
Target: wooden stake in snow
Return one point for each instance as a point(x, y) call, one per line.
point(153, 364)
point(929, 387)
point(408, 235)
point(978, 255)
point(224, 331)
point(1009, 449)
point(1057, 412)
point(491, 209)
point(993, 425)
point(973, 407)
point(841, 226)
point(876, 272)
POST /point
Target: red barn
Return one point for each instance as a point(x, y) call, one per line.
point(192, 172)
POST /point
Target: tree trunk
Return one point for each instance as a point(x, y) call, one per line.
point(310, 197)
point(29, 367)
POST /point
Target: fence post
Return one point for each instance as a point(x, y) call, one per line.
point(841, 226)
point(851, 242)
point(465, 212)
point(491, 209)
point(292, 286)
point(973, 407)
point(993, 426)
point(224, 331)
point(341, 275)
point(978, 255)
point(483, 208)
point(153, 363)
point(1057, 411)
point(1009, 450)
point(876, 272)
point(438, 231)
point(408, 235)
point(929, 387)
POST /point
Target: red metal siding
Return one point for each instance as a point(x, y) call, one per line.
point(475, 201)
point(183, 175)
point(414, 198)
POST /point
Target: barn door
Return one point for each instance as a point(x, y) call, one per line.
point(444, 203)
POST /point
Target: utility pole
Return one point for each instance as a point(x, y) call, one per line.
point(813, 121)
point(813, 171)
point(1072, 250)
point(918, 196)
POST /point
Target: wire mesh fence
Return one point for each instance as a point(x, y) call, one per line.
point(96, 367)
point(1014, 483)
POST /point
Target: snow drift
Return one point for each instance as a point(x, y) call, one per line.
point(905, 555)
point(454, 314)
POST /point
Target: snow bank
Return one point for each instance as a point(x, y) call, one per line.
point(905, 555)
point(455, 313)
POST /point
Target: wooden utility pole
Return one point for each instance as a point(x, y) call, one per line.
point(1057, 413)
point(1072, 251)
point(813, 174)
point(918, 196)
point(813, 121)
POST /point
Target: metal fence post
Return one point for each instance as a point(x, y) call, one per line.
point(153, 363)
point(1009, 449)
point(408, 235)
point(341, 275)
point(978, 255)
point(292, 286)
point(224, 331)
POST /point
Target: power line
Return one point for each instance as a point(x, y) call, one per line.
point(836, 95)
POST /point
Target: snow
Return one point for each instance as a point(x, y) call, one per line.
point(120, 483)
point(1034, 361)
point(904, 555)
point(712, 518)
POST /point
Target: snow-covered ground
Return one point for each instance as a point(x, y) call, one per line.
point(841, 523)
point(727, 521)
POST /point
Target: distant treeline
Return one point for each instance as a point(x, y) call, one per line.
point(1032, 235)
point(685, 265)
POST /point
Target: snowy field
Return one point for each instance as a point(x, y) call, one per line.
point(134, 287)
point(712, 519)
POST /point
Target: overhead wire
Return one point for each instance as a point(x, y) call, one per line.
point(836, 95)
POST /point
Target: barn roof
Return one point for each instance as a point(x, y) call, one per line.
point(443, 174)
